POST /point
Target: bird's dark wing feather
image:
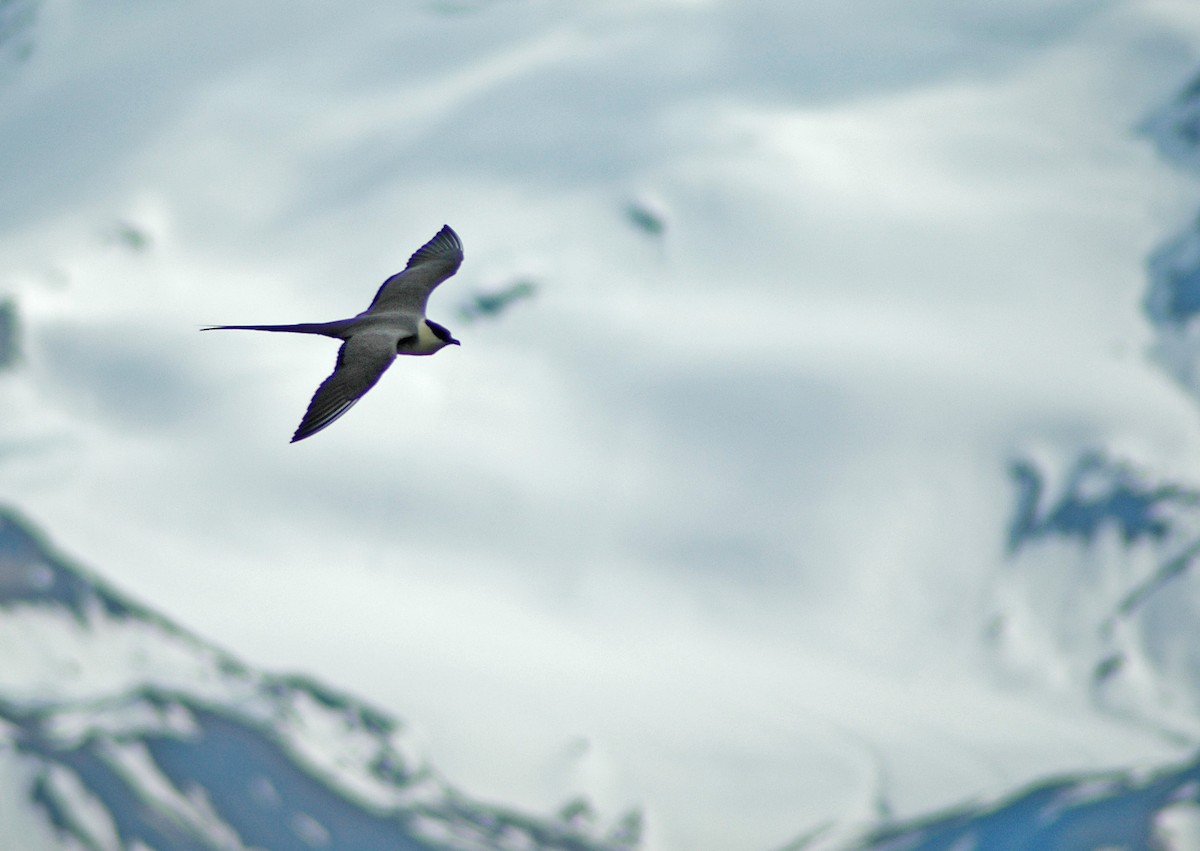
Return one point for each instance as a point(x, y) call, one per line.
point(362, 360)
point(432, 263)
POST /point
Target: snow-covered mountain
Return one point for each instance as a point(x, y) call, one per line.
point(1102, 588)
point(120, 730)
point(1100, 596)
point(1173, 297)
point(1155, 811)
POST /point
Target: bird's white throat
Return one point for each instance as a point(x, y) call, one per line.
point(427, 342)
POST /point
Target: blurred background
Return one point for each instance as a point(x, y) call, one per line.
point(822, 449)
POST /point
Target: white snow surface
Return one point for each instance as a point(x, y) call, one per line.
point(22, 826)
point(1178, 827)
point(50, 657)
point(713, 524)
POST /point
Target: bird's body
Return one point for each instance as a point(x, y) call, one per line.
point(394, 324)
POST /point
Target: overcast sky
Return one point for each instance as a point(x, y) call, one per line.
point(705, 525)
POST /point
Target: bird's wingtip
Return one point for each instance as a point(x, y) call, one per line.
point(444, 245)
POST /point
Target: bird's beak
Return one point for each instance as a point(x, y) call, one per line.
point(455, 342)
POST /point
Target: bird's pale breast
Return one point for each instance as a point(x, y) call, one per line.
point(426, 343)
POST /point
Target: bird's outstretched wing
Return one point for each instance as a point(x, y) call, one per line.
point(362, 360)
point(432, 263)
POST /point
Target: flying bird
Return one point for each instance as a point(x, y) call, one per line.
point(394, 324)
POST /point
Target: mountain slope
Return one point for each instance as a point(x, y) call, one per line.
point(1129, 810)
point(118, 729)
